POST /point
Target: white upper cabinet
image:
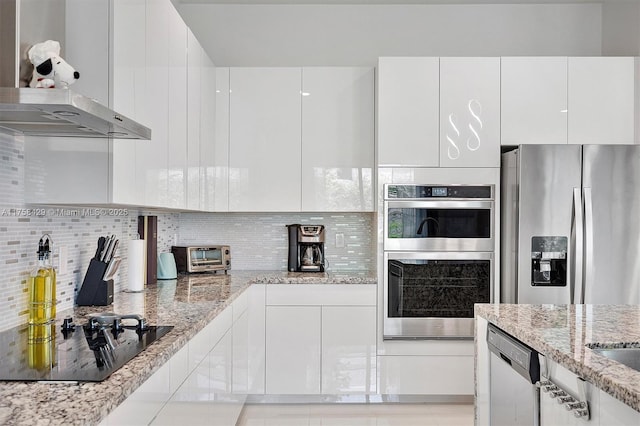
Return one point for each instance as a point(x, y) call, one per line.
point(138, 57)
point(221, 155)
point(337, 139)
point(207, 133)
point(408, 112)
point(601, 100)
point(177, 146)
point(469, 112)
point(534, 100)
point(129, 77)
point(151, 155)
point(194, 69)
point(265, 141)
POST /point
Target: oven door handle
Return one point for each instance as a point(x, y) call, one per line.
point(485, 204)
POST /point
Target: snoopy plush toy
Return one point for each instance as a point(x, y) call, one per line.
point(50, 70)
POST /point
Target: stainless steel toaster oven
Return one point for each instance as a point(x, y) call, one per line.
point(202, 258)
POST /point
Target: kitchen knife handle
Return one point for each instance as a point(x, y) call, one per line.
point(105, 248)
point(577, 240)
point(101, 242)
point(111, 251)
point(115, 247)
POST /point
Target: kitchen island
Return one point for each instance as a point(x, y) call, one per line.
point(189, 304)
point(566, 335)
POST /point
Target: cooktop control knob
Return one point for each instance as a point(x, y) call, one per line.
point(116, 324)
point(68, 325)
point(142, 324)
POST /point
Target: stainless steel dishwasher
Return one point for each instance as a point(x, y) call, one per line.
point(514, 370)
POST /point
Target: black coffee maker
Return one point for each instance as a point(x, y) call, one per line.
point(306, 248)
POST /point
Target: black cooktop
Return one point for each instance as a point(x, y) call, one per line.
point(85, 353)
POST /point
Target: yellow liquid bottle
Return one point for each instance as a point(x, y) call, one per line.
point(54, 299)
point(40, 299)
point(42, 346)
point(42, 288)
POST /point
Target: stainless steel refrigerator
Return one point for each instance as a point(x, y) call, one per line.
point(571, 224)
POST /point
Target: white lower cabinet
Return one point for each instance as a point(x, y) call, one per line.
point(273, 339)
point(482, 373)
point(256, 339)
point(205, 397)
point(293, 350)
point(142, 406)
point(604, 410)
point(425, 375)
point(320, 339)
point(616, 413)
point(348, 350)
point(178, 369)
point(194, 386)
point(240, 350)
point(553, 413)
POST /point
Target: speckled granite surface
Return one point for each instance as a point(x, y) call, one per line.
point(188, 304)
point(356, 277)
point(562, 333)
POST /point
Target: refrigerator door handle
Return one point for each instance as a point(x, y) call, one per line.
point(588, 241)
point(577, 235)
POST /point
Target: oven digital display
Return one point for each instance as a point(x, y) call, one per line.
point(438, 191)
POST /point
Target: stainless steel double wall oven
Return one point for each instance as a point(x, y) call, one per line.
point(438, 259)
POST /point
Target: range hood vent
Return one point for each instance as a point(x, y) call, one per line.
point(48, 112)
point(63, 113)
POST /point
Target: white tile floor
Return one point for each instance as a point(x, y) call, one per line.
point(357, 415)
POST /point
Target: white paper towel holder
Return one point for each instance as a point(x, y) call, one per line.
point(137, 266)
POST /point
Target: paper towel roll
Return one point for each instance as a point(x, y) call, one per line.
point(136, 265)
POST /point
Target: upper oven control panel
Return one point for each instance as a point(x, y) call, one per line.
point(395, 191)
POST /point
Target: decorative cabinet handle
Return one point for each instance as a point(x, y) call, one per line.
point(583, 412)
point(580, 409)
point(566, 399)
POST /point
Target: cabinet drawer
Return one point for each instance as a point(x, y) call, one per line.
point(426, 375)
point(322, 294)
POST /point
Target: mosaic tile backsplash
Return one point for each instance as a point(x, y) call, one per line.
point(258, 241)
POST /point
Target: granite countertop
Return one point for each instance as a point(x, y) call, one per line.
point(188, 303)
point(562, 333)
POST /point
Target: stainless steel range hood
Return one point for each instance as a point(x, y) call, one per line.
point(48, 112)
point(62, 112)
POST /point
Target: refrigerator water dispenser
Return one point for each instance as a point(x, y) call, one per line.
point(549, 261)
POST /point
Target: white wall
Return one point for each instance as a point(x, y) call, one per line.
point(343, 35)
point(621, 28)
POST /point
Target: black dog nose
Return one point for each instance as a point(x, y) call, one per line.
point(76, 75)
